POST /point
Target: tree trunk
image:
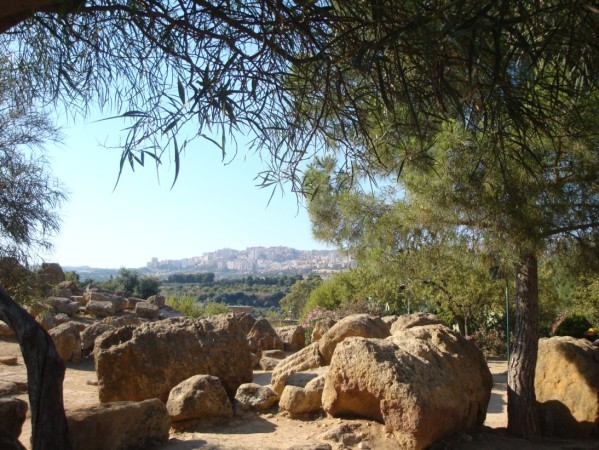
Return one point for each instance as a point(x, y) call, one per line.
point(45, 374)
point(522, 414)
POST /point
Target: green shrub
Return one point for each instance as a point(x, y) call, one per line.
point(186, 305)
point(574, 325)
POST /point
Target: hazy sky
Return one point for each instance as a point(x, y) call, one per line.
point(212, 205)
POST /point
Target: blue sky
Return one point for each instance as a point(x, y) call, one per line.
point(211, 206)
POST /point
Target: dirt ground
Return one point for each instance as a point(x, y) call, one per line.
point(274, 430)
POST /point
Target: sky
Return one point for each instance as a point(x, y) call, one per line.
point(212, 206)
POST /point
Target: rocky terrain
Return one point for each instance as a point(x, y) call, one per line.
point(138, 376)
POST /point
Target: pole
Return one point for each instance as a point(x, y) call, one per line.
point(507, 320)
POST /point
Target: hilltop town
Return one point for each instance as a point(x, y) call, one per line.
point(259, 260)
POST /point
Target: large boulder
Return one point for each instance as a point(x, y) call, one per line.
point(199, 397)
point(418, 319)
point(119, 425)
point(362, 325)
point(263, 336)
point(424, 383)
point(567, 387)
point(147, 361)
point(307, 358)
point(13, 412)
point(89, 335)
point(293, 337)
point(67, 340)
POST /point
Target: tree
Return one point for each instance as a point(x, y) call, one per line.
point(29, 197)
point(293, 303)
point(374, 81)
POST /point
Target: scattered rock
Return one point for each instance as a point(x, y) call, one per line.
point(293, 337)
point(343, 434)
point(245, 320)
point(46, 320)
point(157, 300)
point(252, 396)
point(566, 386)
point(147, 361)
point(315, 446)
point(321, 327)
point(414, 320)
point(199, 397)
point(166, 312)
point(147, 310)
point(119, 425)
point(61, 318)
point(120, 303)
point(303, 400)
point(362, 325)
point(122, 321)
point(12, 415)
point(263, 336)
point(423, 383)
point(100, 308)
point(132, 301)
point(389, 320)
point(62, 305)
point(307, 358)
point(89, 335)
point(268, 364)
point(276, 354)
point(51, 273)
point(67, 340)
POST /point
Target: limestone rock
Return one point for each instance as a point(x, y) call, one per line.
point(12, 415)
point(46, 320)
point(166, 312)
point(389, 320)
point(567, 387)
point(246, 320)
point(321, 327)
point(62, 305)
point(303, 400)
point(268, 364)
point(120, 303)
point(263, 336)
point(61, 318)
point(67, 340)
point(121, 321)
point(119, 425)
point(147, 361)
point(253, 396)
point(293, 337)
point(89, 335)
point(80, 299)
point(362, 325)
point(424, 383)
point(157, 300)
point(276, 354)
point(146, 310)
point(414, 320)
point(307, 358)
point(93, 295)
point(100, 308)
point(198, 397)
point(132, 301)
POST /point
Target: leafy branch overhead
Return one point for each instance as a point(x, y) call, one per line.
point(301, 77)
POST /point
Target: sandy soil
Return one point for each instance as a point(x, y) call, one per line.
point(275, 430)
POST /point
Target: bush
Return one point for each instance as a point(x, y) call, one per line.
point(186, 305)
point(573, 325)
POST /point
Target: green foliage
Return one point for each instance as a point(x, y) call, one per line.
point(294, 302)
point(72, 276)
point(147, 287)
point(212, 308)
point(131, 283)
point(186, 305)
point(200, 278)
point(573, 325)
